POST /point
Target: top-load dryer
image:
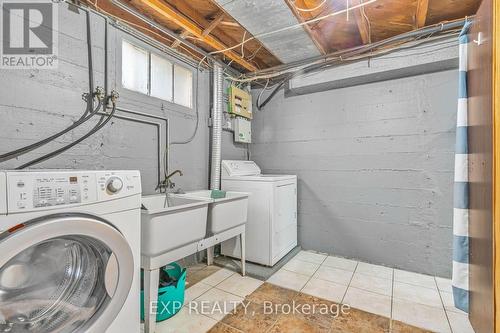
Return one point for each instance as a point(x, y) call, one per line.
point(70, 251)
point(271, 229)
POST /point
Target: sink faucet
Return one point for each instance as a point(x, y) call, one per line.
point(167, 183)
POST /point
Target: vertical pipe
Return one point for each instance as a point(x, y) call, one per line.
point(216, 127)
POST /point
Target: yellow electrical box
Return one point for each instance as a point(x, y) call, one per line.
point(240, 102)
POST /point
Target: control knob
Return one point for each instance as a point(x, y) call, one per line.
point(114, 184)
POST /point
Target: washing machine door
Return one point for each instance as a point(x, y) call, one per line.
point(63, 273)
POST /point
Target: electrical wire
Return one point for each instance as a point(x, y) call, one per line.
point(368, 23)
point(300, 9)
point(102, 122)
point(346, 55)
point(197, 107)
point(315, 67)
point(260, 94)
point(295, 26)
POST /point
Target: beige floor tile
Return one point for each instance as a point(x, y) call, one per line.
point(449, 304)
point(375, 270)
point(313, 257)
point(289, 280)
point(342, 263)
point(419, 315)
point(417, 294)
point(372, 283)
point(218, 277)
point(239, 285)
point(444, 284)
point(416, 279)
point(215, 304)
point(196, 291)
point(195, 276)
point(368, 301)
point(186, 322)
point(336, 275)
point(324, 289)
point(460, 323)
point(301, 267)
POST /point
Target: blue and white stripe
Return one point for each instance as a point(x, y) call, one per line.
point(460, 279)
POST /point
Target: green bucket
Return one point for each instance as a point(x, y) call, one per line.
point(170, 298)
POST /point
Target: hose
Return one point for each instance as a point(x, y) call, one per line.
point(27, 149)
point(102, 122)
point(90, 111)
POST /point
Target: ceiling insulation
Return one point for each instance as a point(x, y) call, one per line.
point(263, 16)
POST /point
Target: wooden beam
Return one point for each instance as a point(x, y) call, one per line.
point(177, 42)
point(313, 34)
point(361, 22)
point(230, 24)
point(215, 22)
point(421, 16)
point(165, 11)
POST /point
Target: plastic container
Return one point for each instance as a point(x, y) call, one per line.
point(170, 298)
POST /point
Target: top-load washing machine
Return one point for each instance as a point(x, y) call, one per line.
point(271, 229)
point(70, 251)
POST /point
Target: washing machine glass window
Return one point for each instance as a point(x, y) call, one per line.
point(61, 284)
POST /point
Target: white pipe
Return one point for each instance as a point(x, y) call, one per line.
point(216, 126)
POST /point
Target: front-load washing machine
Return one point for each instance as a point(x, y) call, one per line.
point(70, 251)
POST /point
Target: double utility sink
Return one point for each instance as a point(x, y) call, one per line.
point(170, 221)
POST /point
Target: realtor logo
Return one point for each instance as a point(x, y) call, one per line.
point(29, 34)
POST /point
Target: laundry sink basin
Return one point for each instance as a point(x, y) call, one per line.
point(224, 213)
point(169, 222)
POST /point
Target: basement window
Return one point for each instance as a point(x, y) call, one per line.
point(134, 68)
point(161, 78)
point(153, 75)
point(183, 82)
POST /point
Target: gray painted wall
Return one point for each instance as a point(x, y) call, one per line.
point(37, 103)
point(375, 168)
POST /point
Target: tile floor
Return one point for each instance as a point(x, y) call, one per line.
point(381, 300)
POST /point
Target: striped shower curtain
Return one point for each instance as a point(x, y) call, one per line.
point(460, 280)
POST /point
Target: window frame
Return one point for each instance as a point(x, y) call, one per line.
point(172, 60)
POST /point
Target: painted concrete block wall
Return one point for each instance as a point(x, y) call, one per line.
point(37, 103)
point(375, 168)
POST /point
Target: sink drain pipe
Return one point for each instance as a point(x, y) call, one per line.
point(217, 109)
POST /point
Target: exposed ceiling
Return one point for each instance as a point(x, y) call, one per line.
point(215, 25)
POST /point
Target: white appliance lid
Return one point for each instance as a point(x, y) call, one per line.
point(234, 168)
point(263, 178)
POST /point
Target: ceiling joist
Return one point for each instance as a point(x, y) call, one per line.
point(361, 21)
point(164, 11)
point(215, 22)
point(177, 42)
point(313, 34)
point(421, 16)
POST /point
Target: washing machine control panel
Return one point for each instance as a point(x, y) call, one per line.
point(46, 190)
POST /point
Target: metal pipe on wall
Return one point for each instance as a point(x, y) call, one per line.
point(217, 109)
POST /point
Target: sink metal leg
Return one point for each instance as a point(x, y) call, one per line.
point(210, 255)
point(242, 243)
point(151, 281)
